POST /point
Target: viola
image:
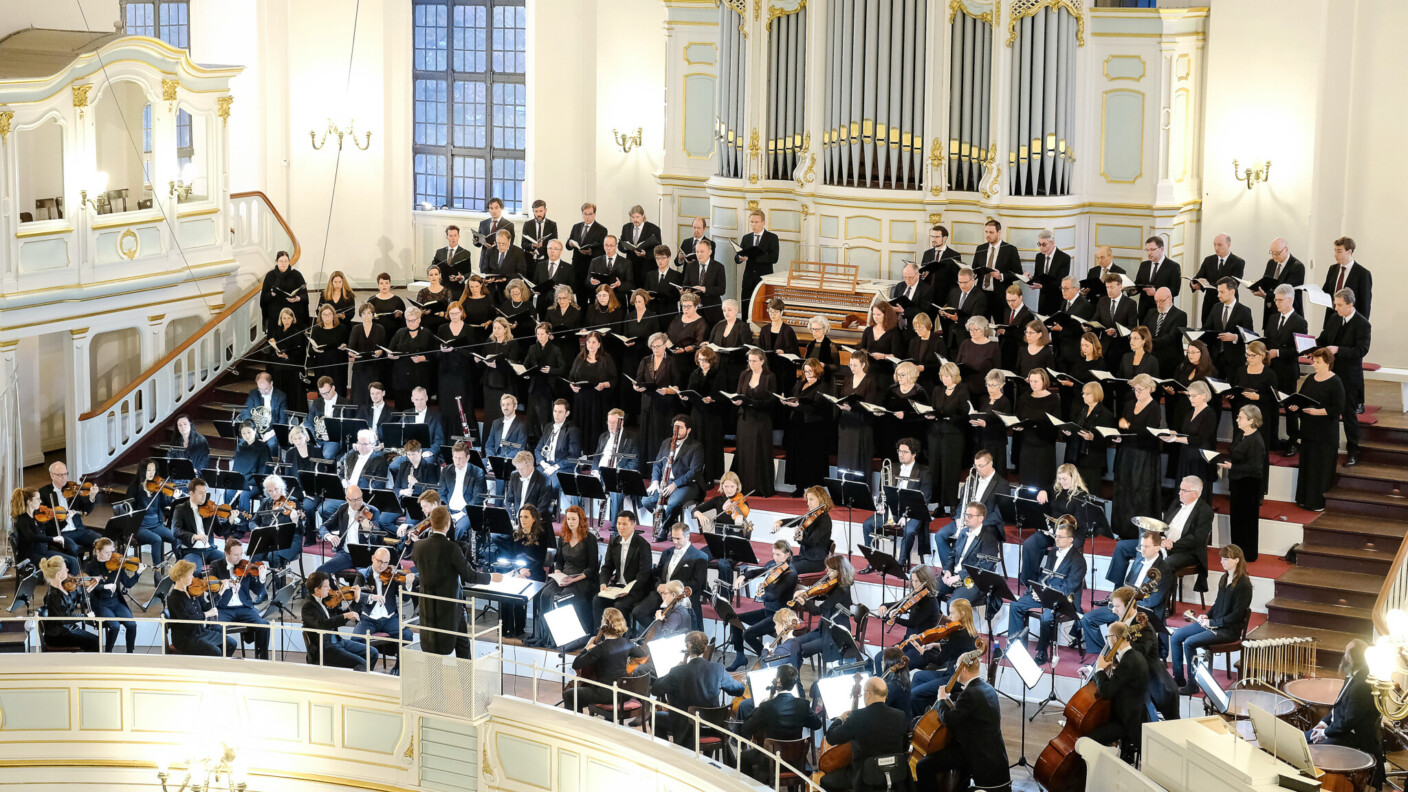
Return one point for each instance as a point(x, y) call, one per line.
point(48, 514)
point(338, 596)
point(774, 575)
point(78, 489)
point(390, 574)
point(162, 486)
point(933, 635)
point(285, 505)
point(219, 511)
point(201, 585)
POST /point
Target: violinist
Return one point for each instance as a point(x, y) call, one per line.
point(815, 538)
point(573, 577)
point(236, 600)
point(910, 475)
point(116, 576)
point(604, 659)
point(380, 609)
point(830, 599)
point(39, 540)
point(1122, 678)
point(184, 606)
point(67, 601)
point(674, 614)
point(276, 511)
point(527, 552)
point(938, 664)
point(697, 682)
point(408, 529)
point(876, 729)
point(335, 649)
point(898, 681)
point(354, 522)
point(1063, 570)
point(782, 716)
point(974, 546)
point(786, 647)
point(152, 496)
point(194, 530)
point(917, 612)
point(682, 563)
point(778, 586)
point(74, 496)
point(976, 750)
point(726, 512)
point(675, 475)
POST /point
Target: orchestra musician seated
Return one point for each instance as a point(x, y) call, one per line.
point(830, 599)
point(364, 466)
point(778, 586)
point(976, 546)
point(63, 493)
point(898, 681)
point(1185, 544)
point(976, 750)
point(245, 589)
point(251, 462)
point(412, 474)
point(64, 602)
point(604, 660)
point(783, 716)
point(404, 524)
point(625, 565)
point(353, 523)
point(273, 406)
point(561, 443)
point(194, 532)
point(1225, 622)
point(874, 730)
point(422, 414)
point(1353, 721)
point(1123, 680)
point(696, 682)
point(508, 434)
point(283, 514)
point(937, 665)
point(910, 475)
point(916, 613)
point(982, 487)
point(327, 405)
point(186, 608)
point(1150, 563)
point(335, 649)
point(461, 485)
point(682, 563)
point(674, 476)
point(37, 540)
point(616, 448)
point(108, 598)
point(151, 496)
point(573, 577)
point(380, 609)
point(1064, 572)
point(724, 513)
point(815, 527)
point(529, 487)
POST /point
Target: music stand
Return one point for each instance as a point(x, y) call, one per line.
point(1030, 674)
point(584, 486)
point(1064, 609)
point(853, 495)
point(227, 428)
point(886, 565)
point(725, 614)
point(1092, 518)
point(118, 528)
point(624, 481)
point(1026, 513)
point(362, 554)
point(180, 468)
point(907, 504)
point(501, 467)
point(994, 586)
point(735, 548)
point(383, 500)
point(281, 433)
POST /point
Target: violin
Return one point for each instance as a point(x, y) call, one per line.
point(774, 575)
point(200, 586)
point(933, 634)
point(219, 511)
point(392, 574)
point(162, 486)
point(285, 506)
point(79, 489)
point(819, 589)
point(246, 567)
point(71, 583)
point(807, 522)
point(738, 505)
point(365, 515)
point(652, 632)
point(338, 596)
point(906, 606)
point(125, 563)
point(48, 514)
point(420, 529)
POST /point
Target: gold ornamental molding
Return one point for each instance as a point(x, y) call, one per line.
point(222, 108)
point(128, 244)
point(935, 218)
point(775, 11)
point(955, 6)
point(1021, 9)
point(7, 120)
point(80, 97)
point(936, 167)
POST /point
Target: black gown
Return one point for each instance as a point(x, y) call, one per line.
point(1246, 486)
point(479, 313)
point(855, 428)
point(1201, 429)
point(603, 320)
point(784, 371)
point(926, 352)
point(1264, 385)
point(330, 361)
point(810, 427)
point(707, 419)
point(370, 366)
point(522, 318)
point(455, 379)
point(657, 410)
point(824, 351)
point(589, 404)
point(946, 436)
point(278, 288)
point(1089, 455)
point(685, 338)
point(543, 388)
point(912, 425)
point(1137, 469)
point(345, 306)
point(288, 371)
point(499, 378)
point(1037, 466)
point(752, 456)
point(386, 313)
point(565, 325)
point(975, 361)
point(1044, 358)
point(992, 436)
point(434, 306)
point(407, 374)
point(1320, 441)
point(890, 342)
point(629, 356)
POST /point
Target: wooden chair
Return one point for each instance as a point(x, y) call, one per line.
point(793, 752)
point(632, 703)
point(1178, 576)
point(713, 741)
point(1226, 650)
point(49, 206)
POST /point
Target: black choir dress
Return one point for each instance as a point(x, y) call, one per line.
point(891, 342)
point(1320, 441)
point(1037, 466)
point(276, 292)
point(1201, 428)
point(707, 419)
point(925, 352)
point(657, 410)
point(1044, 358)
point(499, 378)
point(784, 371)
point(752, 456)
point(455, 378)
point(810, 427)
point(685, 337)
point(521, 317)
point(1089, 455)
point(288, 371)
point(732, 363)
point(824, 351)
point(1246, 485)
point(855, 428)
point(407, 374)
point(1176, 405)
point(327, 359)
point(629, 355)
point(565, 325)
point(1264, 384)
point(975, 361)
point(992, 436)
point(946, 435)
point(386, 313)
point(372, 365)
point(543, 387)
point(434, 305)
point(346, 307)
point(596, 317)
point(479, 314)
point(912, 425)
point(590, 405)
point(1137, 469)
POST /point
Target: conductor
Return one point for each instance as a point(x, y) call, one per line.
point(441, 568)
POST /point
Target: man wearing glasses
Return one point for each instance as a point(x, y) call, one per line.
point(1185, 543)
point(1284, 268)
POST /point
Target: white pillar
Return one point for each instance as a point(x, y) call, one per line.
point(80, 397)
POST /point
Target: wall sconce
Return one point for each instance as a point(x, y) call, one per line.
point(333, 129)
point(1255, 173)
point(627, 142)
point(205, 772)
point(181, 189)
point(99, 184)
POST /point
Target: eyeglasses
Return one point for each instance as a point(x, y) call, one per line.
point(973, 514)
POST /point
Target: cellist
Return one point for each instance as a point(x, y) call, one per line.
point(697, 682)
point(1122, 678)
point(875, 729)
point(975, 747)
point(781, 717)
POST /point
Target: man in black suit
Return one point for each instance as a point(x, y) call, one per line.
point(329, 404)
point(354, 522)
point(489, 229)
point(918, 296)
point(909, 475)
point(1347, 335)
point(552, 272)
point(235, 602)
point(1223, 324)
point(782, 717)
point(1279, 332)
point(537, 233)
point(363, 466)
point(707, 276)
point(1124, 682)
point(422, 414)
point(638, 240)
point(586, 243)
point(1157, 270)
point(527, 485)
point(1284, 269)
point(683, 562)
point(663, 282)
point(1115, 309)
point(503, 262)
point(1012, 326)
point(939, 264)
point(1221, 264)
point(508, 434)
point(265, 396)
point(1149, 561)
point(966, 301)
point(616, 448)
point(876, 729)
point(976, 748)
point(986, 484)
point(441, 569)
point(1166, 322)
point(1092, 285)
point(1003, 259)
point(625, 562)
point(675, 475)
point(560, 445)
point(611, 269)
point(1063, 569)
point(1068, 335)
point(687, 253)
point(52, 495)
point(696, 682)
point(974, 546)
point(1189, 520)
point(1048, 268)
point(1349, 274)
point(454, 261)
point(375, 412)
point(758, 252)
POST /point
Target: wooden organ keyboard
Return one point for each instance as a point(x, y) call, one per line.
point(815, 288)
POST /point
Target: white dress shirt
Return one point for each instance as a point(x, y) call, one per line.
point(457, 503)
point(1180, 520)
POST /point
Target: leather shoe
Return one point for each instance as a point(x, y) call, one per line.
point(1190, 689)
point(1291, 450)
point(870, 570)
point(1352, 460)
point(1041, 658)
point(1359, 409)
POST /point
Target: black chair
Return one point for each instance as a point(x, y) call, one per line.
point(713, 740)
point(24, 593)
point(888, 772)
point(631, 703)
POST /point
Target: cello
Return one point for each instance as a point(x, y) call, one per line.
point(838, 757)
point(930, 733)
point(1060, 768)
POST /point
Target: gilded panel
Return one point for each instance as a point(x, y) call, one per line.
point(699, 53)
point(785, 220)
point(1125, 67)
point(830, 226)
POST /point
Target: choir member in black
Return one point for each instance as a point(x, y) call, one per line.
point(187, 443)
point(626, 562)
point(610, 269)
point(1011, 325)
point(339, 294)
point(688, 251)
point(592, 376)
point(365, 340)
point(820, 346)
point(1347, 273)
point(585, 241)
point(689, 330)
point(552, 273)
point(606, 313)
point(834, 605)
point(939, 661)
point(732, 332)
point(527, 552)
point(479, 309)
point(1247, 474)
point(877, 729)
point(908, 475)
point(61, 603)
point(603, 660)
point(389, 308)
point(638, 325)
point(910, 296)
point(1196, 366)
point(1000, 257)
point(1224, 327)
point(1347, 334)
point(966, 301)
point(1067, 336)
point(454, 371)
point(883, 343)
point(497, 375)
point(920, 616)
point(1220, 264)
point(251, 461)
point(244, 588)
point(939, 264)
point(695, 683)
point(950, 402)
point(977, 356)
point(1320, 430)
point(1167, 323)
point(107, 598)
point(1086, 448)
point(454, 259)
point(706, 412)
point(1123, 680)
point(925, 349)
point(1286, 270)
point(1090, 286)
point(538, 233)
point(502, 263)
point(783, 716)
point(517, 308)
point(335, 649)
point(657, 382)
point(777, 336)
point(639, 238)
point(1279, 335)
point(810, 428)
point(149, 498)
point(1156, 271)
point(546, 366)
point(183, 607)
point(662, 282)
point(773, 596)
point(573, 576)
point(411, 365)
point(284, 287)
point(1140, 357)
point(1092, 359)
point(565, 318)
point(707, 278)
point(1036, 466)
point(855, 429)
point(758, 252)
point(753, 453)
point(1224, 623)
point(1037, 352)
point(1137, 472)
point(441, 568)
point(990, 435)
point(1114, 309)
point(326, 357)
point(1199, 433)
point(434, 299)
point(1061, 569)
point(288, 354)
point(903, 419)
point(1353, 720)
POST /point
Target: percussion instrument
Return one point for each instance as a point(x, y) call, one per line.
point(1316, 694)
point(1345, 769)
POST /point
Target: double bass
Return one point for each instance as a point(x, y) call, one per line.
point(1060, 768)
point(930, 733)
point(838, 757)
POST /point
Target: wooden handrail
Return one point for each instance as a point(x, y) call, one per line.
point(1391, 580)
point(209, 325)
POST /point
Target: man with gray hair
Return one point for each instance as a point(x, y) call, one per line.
point(1166, 321)
point(1282, 269)
point(1279, 332)
point(1346, 336)
point(1221, 264)
point(272, 550)
point(1184, 544)
point(1093, 286)
point(1048, 268)
point(911, 295)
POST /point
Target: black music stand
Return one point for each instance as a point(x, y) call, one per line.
point(908, 504)
point(180, 468)
point(1065, 610)
point(886, 565)
point(321, 485)
point(501, 467)
point(624, 481)
point(1027, 513)
point(853, 495)
point(227, 428)
point(1092, 519)
point(383, 500)
point(737, 549)
point(725, 614)
point(281, 433)
point(994, 587)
